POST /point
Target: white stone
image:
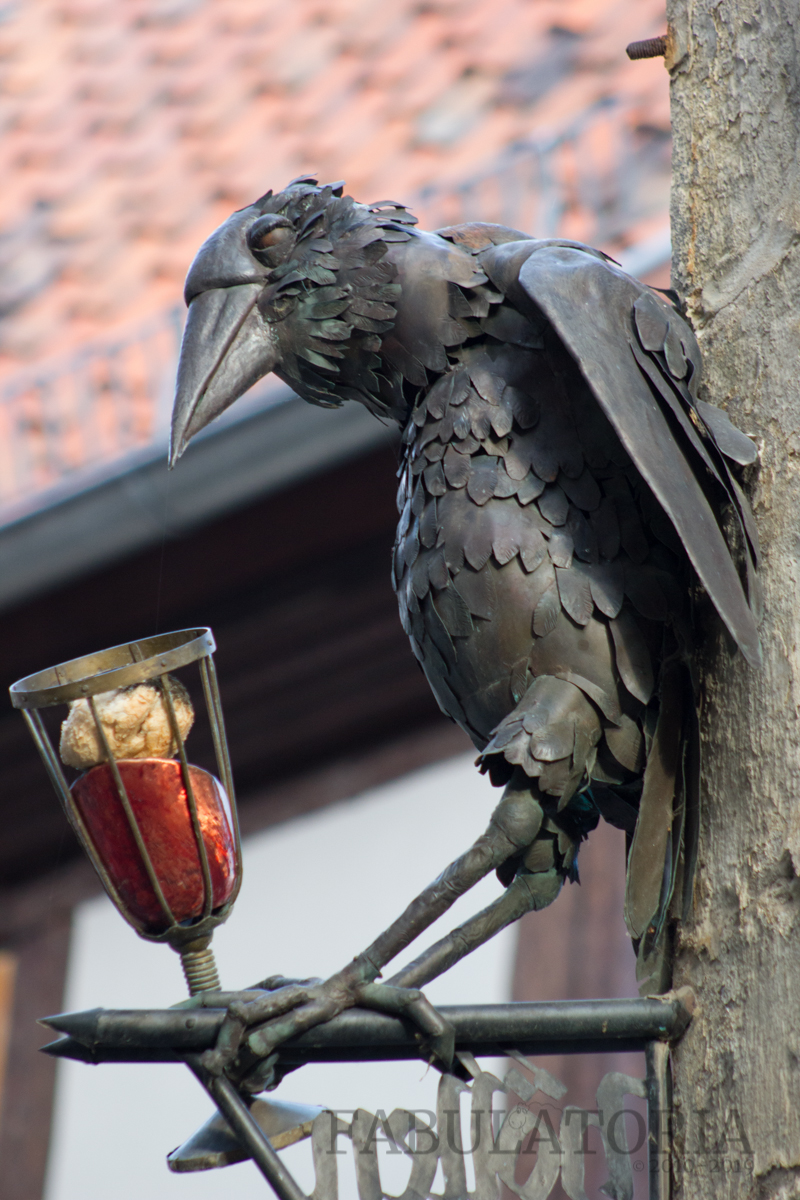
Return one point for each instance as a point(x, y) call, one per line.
point(134, 720)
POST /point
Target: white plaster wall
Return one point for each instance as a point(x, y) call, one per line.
point(316, 891)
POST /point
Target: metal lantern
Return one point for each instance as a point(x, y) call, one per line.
point(162, 834)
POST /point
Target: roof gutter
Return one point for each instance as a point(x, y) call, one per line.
point(268, 441)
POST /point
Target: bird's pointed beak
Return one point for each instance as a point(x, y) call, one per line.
point(226, 348)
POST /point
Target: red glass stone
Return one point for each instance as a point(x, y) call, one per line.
point(157, 796)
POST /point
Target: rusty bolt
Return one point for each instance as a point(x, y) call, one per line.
point(649, 48)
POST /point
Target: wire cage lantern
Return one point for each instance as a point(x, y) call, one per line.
point(162, 834)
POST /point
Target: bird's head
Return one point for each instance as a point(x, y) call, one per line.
point(343, 301)
point(280, 286)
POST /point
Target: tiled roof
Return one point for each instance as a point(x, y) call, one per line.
point(131, 130)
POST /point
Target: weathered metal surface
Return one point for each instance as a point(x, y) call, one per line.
point(560, 495)
point(119, 666)
point(573, 1026)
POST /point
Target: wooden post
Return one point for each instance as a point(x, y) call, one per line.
point(735, 69)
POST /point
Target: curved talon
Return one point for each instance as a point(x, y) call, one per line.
point(414, 1004)
point(441, 1042)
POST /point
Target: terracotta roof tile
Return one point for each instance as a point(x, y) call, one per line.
point(130, 130)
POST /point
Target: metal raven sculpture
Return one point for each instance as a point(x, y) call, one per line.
point(562, 491)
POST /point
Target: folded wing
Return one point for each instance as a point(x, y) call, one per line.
point(641, 360)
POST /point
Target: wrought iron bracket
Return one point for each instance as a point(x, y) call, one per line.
point(566, 1027)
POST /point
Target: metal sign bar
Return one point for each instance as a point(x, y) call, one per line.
point(577, 1026)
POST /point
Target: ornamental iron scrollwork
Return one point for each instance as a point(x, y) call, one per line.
point(559, 1150)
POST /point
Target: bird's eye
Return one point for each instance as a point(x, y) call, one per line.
point(269, 231)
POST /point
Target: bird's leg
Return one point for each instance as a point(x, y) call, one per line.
point(291, 1010)
point(531, 889)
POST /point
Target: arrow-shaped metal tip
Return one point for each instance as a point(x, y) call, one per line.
point(79, 1025)
point(67, 1047)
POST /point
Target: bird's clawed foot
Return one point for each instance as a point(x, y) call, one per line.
point(254, 1028)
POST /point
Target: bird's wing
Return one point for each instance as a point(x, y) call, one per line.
point(642, 363)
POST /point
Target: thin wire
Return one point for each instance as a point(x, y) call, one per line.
point(162, 556)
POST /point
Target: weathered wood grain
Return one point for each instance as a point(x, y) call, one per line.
point(736, 234)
